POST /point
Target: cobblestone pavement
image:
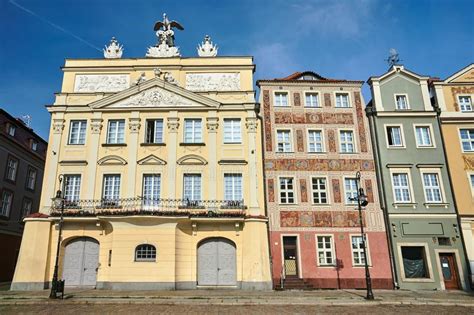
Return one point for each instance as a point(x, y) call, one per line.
point(120, 308)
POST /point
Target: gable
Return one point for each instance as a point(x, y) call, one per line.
point(463, 76)
point(155, 93)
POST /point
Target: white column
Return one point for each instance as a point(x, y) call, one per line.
point(172, 146)
point(212, 125)
point(251, 124)
point(132, 144)
point(93, 145)
point(426, 95)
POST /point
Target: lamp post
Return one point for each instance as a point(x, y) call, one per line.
point(58, 202)
point(362, 202)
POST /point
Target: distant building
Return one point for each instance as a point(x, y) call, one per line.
point(416, 194)
point(22, 158)
point(316, 138)
point(454, 97)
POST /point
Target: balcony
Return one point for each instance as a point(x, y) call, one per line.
point(153, 207)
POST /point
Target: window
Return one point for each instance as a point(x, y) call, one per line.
point(11, 130)
point(401, 187)
point(77, 131)
point(151, 189)
point(72, 187)
point(414, 262)
point(192, 131)
point(471, 177)
point(283, 141)
point(350, 190)
point(312, 100)
point(320, 195)
point(154, 131)
point(26, 207)
point(116, 132)
point(233, 187)
point(465, 104)
point(232, 133)
point(287, 194)
point(34, 145)
point(31, 178)
point(12, 169)
point(357, 251)
point(325, 250)
point(192, 186)
point(7, 200)
point(423, 136)
point(401, 102)
point(346, 138)
point(315, 141)
point(467, 139)
point(432, 187)
point(145, 252)
point(281, 99)
point(111, 190)
point(394, 136)
point(342, 100)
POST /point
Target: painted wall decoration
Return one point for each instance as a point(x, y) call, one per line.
point(314, 118)
point(271, 190)
point(297, 99)
point(360, 122)
point(91, 83)
point(327, 99)
point(332, 140)
point(299, 140)
point(369, 191)
point(468, 162)
point(336, 190)
point(319, 165)
point(460, 90)
point(267, 120)
point(303, 190)
point(343, 219)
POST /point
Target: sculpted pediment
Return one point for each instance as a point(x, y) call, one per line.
point(151, 160)
point(155, 93)
point(112, 160)
point(191, 159)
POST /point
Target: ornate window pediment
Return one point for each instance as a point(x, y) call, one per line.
point(151, 160)
point(191, 159)
point(112, 160)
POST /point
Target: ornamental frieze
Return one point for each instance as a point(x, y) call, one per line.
point(91, 83)
point(213, 81)
point(319, 165)
point(348, 218)
point(267, 120)
point(314, 118)
point(153, 98)
point(360, 122)
point(460, 90)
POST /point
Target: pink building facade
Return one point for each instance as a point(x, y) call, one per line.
point(316, 138)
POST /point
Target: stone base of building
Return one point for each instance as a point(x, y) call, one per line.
point(347, 283)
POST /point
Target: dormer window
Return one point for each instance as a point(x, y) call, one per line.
point(11, 130)
point(401, 101)
point(34, 145)
point(465, 103)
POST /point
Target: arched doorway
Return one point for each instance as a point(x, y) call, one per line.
point(217, 262)
point(81, 261)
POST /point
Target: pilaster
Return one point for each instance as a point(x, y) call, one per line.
point(132, 144)
point(251, 123)
point(212, 125)
point(93, 145)
point(172, 145)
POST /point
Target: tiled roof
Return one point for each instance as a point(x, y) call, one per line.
point(297, 77)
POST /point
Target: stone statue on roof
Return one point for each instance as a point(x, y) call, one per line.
point(165, 47)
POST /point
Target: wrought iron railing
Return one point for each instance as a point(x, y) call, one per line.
point(141, 205)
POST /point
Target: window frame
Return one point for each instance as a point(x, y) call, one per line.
point(29, 169)
point(402, 136)
point(431, 134)
point(354, 140)
point(154, 120)
point(323, 141)
point(152, 201)
point(153, 259)
point(104, 186)
point(349, 99)
point(470, 102)
point(396, 103)
point(78, 190)
point(332, 249)
point(193, 184)
point(369, 260)
point(193, 129)
point(427, 262)
point(232, 141)
point(117, 133)
point(471, 140)
point(12, 157)
point(291, 150)
point(471, 182)
point(286, 191)
point(346, 202)
point(9, 212)
point(318, 97)
point(327, 190)
point(26, 199)
point(436, 171)
point(410, 185)
point(81, 121)
point(11, 127)
point(233, 186)
point(34, 145)
point(288, 101)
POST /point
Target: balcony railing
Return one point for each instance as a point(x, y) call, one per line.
point(147, 206)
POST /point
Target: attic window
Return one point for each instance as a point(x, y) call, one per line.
point(307, 77)
point(11, 130)
point(34, 145)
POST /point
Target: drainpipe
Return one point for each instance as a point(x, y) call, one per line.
point(370, 112)
point(458, 219)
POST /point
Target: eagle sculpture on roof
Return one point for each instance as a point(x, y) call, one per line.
point(164, 30)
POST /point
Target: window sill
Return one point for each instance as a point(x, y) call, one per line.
point(349, 107)
point(348, 153)
point(396, 148)
point(327, 265)
point(404, 205)
point(425, 147)
point(192, 144)
point(286, 152)
point(315, 107)
point(233, 142)
point(436, 205)
point(322, 152)
point(146, 144)
point(418, 280)
point(114, 144)
point(73, 144)
point(145, 260)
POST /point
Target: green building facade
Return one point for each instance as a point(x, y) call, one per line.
point(415, 190)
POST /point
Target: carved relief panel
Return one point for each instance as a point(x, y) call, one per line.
point(91, 83)
point(213, 81)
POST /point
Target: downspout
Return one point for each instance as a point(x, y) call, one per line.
point(370, 112)
point(458, 219)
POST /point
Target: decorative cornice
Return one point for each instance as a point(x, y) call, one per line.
point(191, 159)
point(112, 160)
point(73, 162)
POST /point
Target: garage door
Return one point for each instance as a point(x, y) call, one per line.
point(81, 260)
point(216, 262)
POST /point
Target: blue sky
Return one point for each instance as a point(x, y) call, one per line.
point(338, 39)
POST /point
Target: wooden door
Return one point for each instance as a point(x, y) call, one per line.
point(290, 256)
point(217, 263)
point(81, 261)
point(449, 270)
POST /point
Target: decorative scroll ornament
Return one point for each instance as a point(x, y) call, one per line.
point(134, 125)
point(141, 78)
point(173, 124)
point(207, 48)
point(212, 124)
point(213, 81)
point(58, 126)
point(251, 124)
point(114, 50)
point(153, 98)
point(96, 125)
point(165, 47)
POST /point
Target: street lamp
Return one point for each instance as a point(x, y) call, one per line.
point(362, 202)
point(58, 203)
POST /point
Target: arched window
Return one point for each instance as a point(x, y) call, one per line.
point(145, 252)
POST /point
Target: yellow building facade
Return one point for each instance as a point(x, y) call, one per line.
point(454, 97)
point(161, 174)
